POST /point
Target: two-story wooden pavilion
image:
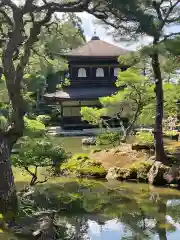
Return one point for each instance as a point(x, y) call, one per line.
point(93, 70)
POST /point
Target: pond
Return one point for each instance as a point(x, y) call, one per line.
point(93, 210)
point(74, 144)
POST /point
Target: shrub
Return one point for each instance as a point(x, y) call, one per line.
point(107, 138)
point(83, 165)
point(145, 138)
point(33, 154)
point(171, 133)
point(33, 128)
point(43, 119)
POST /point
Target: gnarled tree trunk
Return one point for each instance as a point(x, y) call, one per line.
point(8, 198)
point(159, 144)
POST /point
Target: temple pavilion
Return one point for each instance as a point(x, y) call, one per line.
point(93, 70)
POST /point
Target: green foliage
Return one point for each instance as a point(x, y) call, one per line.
point(171, 96)
point(40, 153)
point(127, 202)
point(129, 102)
point(29, 101)
point(134, 99)
point(34, 82)
point(33, 128)
point(141, 170)
point(59, 38)
point(92, 115)
point(43, 118)
point(131, 19)
point(107, 138)
point(83, 165)
point(147, 116)
point(35, 153)
point(3, 123)
point(171, 133)
point(145, 137)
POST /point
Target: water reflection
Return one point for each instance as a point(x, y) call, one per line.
point(103, 211)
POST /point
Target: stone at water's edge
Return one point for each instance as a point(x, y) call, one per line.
point(141, 147)
point(156, 175)
point(89, 141)
point(121, 174)
point(113, 174)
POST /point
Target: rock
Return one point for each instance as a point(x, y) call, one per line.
point(89, 141)
point(121, 174)
point(156, 175)
point(46, 229)
point(173, 175)
point(141, 147)
point(142, 171)
point(152, 159)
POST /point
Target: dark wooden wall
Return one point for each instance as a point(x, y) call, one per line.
point(91, 65)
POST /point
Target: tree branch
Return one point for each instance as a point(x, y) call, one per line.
point(78, 6)
point(169, 36)
point(8, 19)
point(158, 10)
point(168, 13)
point(39, 55)
point(8, 3)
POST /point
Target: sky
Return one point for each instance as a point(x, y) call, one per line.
point(89, 27)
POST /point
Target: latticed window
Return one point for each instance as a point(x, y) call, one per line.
point(99, 72)
point(82, 72)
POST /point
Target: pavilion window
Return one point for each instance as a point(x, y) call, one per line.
point(99, 72)
point(82, 73)
point(116, 71)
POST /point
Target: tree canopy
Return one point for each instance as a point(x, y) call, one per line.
point(131, 19)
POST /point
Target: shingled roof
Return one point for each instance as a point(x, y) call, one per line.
point(97, 48)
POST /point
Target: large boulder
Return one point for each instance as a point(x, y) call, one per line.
point(157, 173)
point(120, 174)
point(173, 175)
point(89, 141)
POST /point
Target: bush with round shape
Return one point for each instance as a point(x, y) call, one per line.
point(145, 138)
point(43, 119)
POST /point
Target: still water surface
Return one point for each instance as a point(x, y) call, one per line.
point(109, 210)
point(112, 210)
point(74, 144)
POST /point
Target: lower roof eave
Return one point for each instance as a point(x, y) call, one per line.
point(82, 93)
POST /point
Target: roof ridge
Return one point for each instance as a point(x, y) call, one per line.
point(98, 48)
point(111, 44)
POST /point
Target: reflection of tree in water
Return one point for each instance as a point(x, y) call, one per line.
point(142, 215)
point(161, 220)
point(71, 228)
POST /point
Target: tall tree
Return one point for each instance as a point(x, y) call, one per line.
point(16, 42)
point(134, 18)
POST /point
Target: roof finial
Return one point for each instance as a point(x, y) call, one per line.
point(95, 37)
